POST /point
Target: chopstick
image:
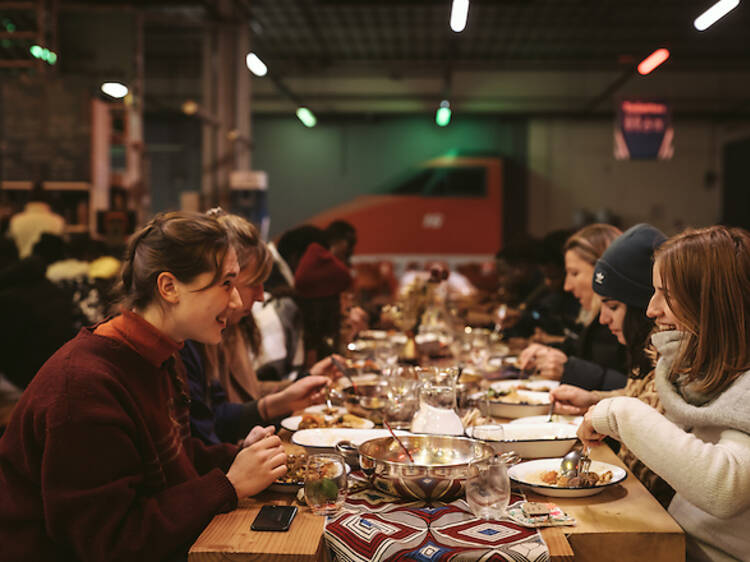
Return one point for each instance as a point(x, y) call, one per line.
point(399, 441)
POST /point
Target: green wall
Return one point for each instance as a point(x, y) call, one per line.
point(311, 170)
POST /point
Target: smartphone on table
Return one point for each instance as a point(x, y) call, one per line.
point(274, 518)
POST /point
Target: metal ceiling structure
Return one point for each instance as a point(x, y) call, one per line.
point(520, 57)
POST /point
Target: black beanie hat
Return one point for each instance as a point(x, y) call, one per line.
point(623, 272)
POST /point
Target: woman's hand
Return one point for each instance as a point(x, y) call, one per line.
point(297, 396)
point(257, 466)
point(326, 368)
point(257, 433)
point(527, 359)
point(572, 400)
point(586, 432)
point(550, 363)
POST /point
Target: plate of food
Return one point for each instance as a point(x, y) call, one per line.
point(294, 479)
point(325, 410)
point(556, 418)
point(323, 440)
point(543, 477)
point(515, 398)
point(311, 421)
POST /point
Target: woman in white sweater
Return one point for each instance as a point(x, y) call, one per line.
point(701, 444)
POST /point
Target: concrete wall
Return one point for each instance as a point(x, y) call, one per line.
point(571, 167)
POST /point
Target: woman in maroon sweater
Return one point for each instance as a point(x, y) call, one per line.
point(97, 462)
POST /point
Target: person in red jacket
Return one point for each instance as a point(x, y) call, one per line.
point(97, 461)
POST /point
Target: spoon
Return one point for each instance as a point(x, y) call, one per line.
point(575, 462)
point(399, 441)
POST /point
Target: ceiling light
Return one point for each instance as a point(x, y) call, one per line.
point(443, 114)
point(189, 107)
point(714, 14)
point(459, 13)
point(652, 61)
point(306, 116)
point(255, 65)
point(115, 89)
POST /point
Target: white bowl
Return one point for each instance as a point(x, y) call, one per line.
point(528, 474)
point(533, 441)
point(536, 399)
point(323, 440)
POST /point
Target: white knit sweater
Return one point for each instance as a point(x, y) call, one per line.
point(703, 452)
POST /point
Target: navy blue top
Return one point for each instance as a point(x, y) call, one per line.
point(213, 419)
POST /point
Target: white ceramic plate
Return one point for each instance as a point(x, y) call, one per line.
point(293, 487)
point(292, 423)
point(556, 418)
point(528, 474)
point(533, 441)
point(323, 440)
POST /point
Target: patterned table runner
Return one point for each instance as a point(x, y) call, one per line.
point(374, 526)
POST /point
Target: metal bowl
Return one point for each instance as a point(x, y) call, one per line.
point(438, 471)
point(366, 399)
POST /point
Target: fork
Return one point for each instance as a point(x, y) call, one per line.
point(551, 409)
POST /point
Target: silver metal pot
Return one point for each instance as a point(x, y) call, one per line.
point(438, 471)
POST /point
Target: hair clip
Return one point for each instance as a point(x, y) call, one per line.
point(215, 212)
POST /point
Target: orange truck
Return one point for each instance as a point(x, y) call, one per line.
point(451, 207)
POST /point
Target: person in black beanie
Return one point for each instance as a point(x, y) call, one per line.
point(622, 278)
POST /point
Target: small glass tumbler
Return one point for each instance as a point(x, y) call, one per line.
point(487, 488)
point(325, 483)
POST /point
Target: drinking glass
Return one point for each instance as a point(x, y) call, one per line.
point(480, 350)
point(487, 488)
point(386, 355)
point(402, 393)
point(325, 483)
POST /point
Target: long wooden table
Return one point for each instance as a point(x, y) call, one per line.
point(623, 523)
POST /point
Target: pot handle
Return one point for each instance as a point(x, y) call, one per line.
point(349, 451)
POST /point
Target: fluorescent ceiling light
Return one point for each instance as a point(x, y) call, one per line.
point(714, 14)
point(115, 89)
point(459, 13)
point(652, 61)
point(255, 65)
point(306, 116)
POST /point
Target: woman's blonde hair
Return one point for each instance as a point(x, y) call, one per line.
point(591, 241)
point(705, 276)
point(231, 353)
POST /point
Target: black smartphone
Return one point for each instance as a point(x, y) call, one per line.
point(274, 518)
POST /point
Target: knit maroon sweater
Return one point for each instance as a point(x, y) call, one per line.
point(97, 462)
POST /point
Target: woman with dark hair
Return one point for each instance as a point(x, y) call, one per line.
point(622, 279)
point(700, 445)
point(594, 359)
point(97, 462)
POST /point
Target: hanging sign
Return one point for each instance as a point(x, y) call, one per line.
point(643, 130)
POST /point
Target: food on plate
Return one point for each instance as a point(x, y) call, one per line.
point(295, 469)
point(474, 417)
point(312, 421)
point(332, 411)
point(512, 396)
point(583, 480)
